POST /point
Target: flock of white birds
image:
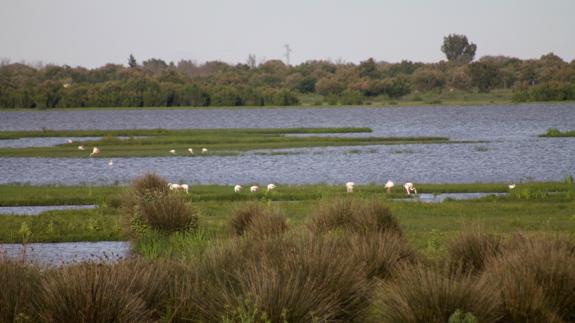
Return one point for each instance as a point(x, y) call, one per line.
point(409, 187)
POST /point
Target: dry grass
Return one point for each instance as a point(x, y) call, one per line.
point(167, 212)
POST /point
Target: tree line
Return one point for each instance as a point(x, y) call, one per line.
point(156, 83)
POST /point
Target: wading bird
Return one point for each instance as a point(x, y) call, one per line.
point(254, 189)
point(271, 187)
point(409, 188)
point(111, 163)
point(204, 150)
point(512, 186)
point(191, 151)
point(349, 187)
point(173, 151)
point(70, 141)
point(389, 185)
point(81, 147)
point(95, 151)
point(237, 188)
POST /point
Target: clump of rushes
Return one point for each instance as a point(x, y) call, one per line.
point(257, 220)
point(89, 292)
point(301, 279)
point(167, 213)
point(19, 285)
point(535, 278)
point(421, 294)
point(353, 215)
point(469, 251)
point(150, 204)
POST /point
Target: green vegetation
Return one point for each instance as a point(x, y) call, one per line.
point(155, 83)
point(554, 132)
point(159, 142)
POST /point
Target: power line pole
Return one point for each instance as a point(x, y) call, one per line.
point(288, 51)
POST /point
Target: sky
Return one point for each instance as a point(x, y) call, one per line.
point(92, 33)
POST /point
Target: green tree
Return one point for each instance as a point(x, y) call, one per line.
point(484, 75)
point(132, 61)
point(458, 49)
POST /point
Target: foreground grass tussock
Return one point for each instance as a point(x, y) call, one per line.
point(353, 215)
point(257, 220)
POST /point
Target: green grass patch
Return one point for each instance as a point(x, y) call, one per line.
point(554, 132)
point(159, 142)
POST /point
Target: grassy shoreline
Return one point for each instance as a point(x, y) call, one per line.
point(447, 99)
point(530, 207)
point(160, 142)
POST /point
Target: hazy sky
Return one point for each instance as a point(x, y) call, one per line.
point(93, 32)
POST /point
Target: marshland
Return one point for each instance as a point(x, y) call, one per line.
point(309, 161)
point(306, 250)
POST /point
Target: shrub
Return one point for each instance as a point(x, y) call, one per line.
point(89, 292)
point(536, 279)
point(468, 252)
point(19, 284)
point(353, 215)
point(257, 220)
point(167, 212)
point(419, 294)
point(460, 317)
point(149, 183)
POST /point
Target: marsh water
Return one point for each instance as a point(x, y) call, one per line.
point(511, 149)
point(61, 253)
point(38, 209)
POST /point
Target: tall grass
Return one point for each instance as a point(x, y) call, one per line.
point(19, 285)
point(421, 294)
point(124, 292)
point(469, 251)
point(257, 220)
point(536, 279)
point(149, 204)
point(353, 215)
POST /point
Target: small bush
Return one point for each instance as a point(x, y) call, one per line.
point(149, 183)
point(536, 279)
point(101, 293)
point(469, 251)
point(257, 220)
point(19, 284)
point(419, 294)
point(168, 212)
point(460, 317)
point(353, 215)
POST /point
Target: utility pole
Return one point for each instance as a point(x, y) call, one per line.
point(288, 51)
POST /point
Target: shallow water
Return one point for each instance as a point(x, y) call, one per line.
point(68, 252)
point(36, 210)
point(48, 141)
point(514, 151)
point(438, 198)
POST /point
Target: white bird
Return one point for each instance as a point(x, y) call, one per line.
point(173, 151)
point(349, 187)
point(191, 151)
point(184, 187)
point(111, 163)
point(95, 151)
point(512, 186)
point(254, 189)
point(70, 141)
point(271, 187)
point(81, 147)
point(175, 187)
point(409, 188)
point(204, 150)
point(389, 185)
point(237, 188)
